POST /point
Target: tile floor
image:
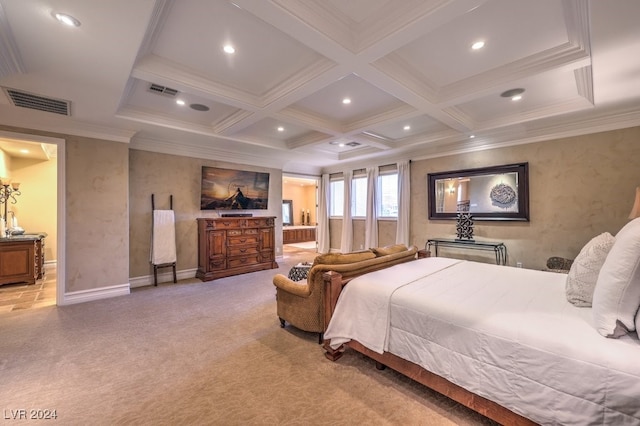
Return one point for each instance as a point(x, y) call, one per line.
point(21, 296)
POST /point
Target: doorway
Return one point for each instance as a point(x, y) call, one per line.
point(37, 164)
point(300, 200)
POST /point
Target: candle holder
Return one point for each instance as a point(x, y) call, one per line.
point(8, 192)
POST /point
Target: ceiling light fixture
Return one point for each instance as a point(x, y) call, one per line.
point(229, 49)
point(514, 94)
point(281, 129)
point(341, 145)
point(180, 102)
point(407, 127)
point(472, 136)
point(477, 45)
point(24, 151)
point(67, 19)
point(346, 101)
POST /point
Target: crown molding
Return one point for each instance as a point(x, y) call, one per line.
point(205, 151)
point(53, 123)
point(141, 116)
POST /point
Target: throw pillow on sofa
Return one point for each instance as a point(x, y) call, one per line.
point(583, 274)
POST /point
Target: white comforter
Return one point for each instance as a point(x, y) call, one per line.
point(504, 333)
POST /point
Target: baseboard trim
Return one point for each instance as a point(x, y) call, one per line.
point(166, 276)
point(95, 294)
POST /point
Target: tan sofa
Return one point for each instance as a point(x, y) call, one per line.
point(301, 303)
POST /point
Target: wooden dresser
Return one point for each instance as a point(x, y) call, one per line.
point(235, 245)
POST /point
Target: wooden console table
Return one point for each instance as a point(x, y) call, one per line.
point(22, 258)
point(498, 248)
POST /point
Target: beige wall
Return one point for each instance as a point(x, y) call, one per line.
point(162, 175)
point(97, 213)
point(36, 208)
point(304, 198)
point(579, 187)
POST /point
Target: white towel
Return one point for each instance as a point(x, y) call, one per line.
point(163, 237)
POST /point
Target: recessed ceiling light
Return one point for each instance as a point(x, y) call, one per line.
point(229, 49)
point(346, 101)
point(477, 45)
point(180, 102)
point(472, 136)
point(24, 151)
point(407, 127)
point(341, 145)
point(516, 98)
point(281, 129)
point(67, 19)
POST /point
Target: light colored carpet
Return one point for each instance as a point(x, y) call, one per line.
point(199, 353)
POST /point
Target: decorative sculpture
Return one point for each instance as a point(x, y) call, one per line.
point(464, 227)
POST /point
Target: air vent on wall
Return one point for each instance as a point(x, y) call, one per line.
point(40, 103)
point(162, 90)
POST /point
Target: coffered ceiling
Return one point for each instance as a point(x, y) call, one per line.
point(416, 86)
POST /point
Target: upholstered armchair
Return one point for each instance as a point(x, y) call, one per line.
point(300, 303)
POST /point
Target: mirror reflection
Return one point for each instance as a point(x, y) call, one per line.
point(287, 212)
point(488, 193)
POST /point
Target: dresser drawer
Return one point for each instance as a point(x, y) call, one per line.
point(242, 240)
point(244, 261)
point(225, 224)
point(242, 251)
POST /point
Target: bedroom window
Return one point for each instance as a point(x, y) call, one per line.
point(359, 196)
point(388, 184)
point(336, 188)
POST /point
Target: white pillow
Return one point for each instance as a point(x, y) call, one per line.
point(582, 277)
point(617, 294)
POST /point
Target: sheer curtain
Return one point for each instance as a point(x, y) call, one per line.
point(347, 226)
point(371, 222)
point(404, 194)
point(324, 243)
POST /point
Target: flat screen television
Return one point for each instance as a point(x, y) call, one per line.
point(227, 189)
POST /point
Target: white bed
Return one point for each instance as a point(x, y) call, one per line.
point(506, 334)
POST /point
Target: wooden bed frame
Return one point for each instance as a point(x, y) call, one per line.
point(333, 284)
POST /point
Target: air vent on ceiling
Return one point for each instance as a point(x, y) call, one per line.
point(352, 144)
point(163, 90)
point(40, 103)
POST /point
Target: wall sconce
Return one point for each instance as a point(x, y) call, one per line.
point(635, 210)
point(452, 190)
